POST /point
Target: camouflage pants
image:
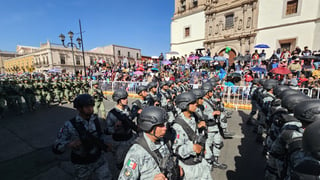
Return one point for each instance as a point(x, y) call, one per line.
point(30, 101)
point(99, 108)
point(213, 142)
point(120, 149)
point(200, 171)
point(98, 170)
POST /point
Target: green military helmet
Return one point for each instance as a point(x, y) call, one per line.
point(95, 82)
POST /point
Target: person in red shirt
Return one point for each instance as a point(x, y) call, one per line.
point(248, 77)
point(302, 79)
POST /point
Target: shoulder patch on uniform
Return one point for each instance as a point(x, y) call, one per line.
point(132, 164)
point(127, 172)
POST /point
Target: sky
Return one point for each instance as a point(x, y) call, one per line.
point(142, 24)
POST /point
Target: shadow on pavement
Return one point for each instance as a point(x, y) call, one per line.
point(251, 163)
point(26, 149)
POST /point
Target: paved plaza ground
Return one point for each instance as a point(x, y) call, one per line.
point(26, 147)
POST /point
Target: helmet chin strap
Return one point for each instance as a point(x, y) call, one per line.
point(154, 133)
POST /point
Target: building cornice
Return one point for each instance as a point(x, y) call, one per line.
point(288, 24)
point(226, 38)
point(217, 8)
point(188, 13)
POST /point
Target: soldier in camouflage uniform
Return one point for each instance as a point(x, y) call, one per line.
point(305, 164)
point(37, 89)
point(139, 104)
point(153, 99)
point(264, 114)
point(187, 149)
point(214, 140)
point(120, 126)
point(98, 96)
point(14, 96)
point(84, 86)
point(28, 95)
point(67, 89)
point(166, 100)
point(57, 89)
point(151, 157)
point(87, 156)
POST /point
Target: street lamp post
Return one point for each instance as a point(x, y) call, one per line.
point(62, 38)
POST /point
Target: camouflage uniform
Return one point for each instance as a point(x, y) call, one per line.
point(98, 96)
point(67, 134)
point(139, 164)
point(122, 134)
point(183, 148)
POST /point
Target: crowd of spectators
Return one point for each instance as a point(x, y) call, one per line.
point(303, 66)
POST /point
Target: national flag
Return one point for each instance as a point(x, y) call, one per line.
point(132, 164)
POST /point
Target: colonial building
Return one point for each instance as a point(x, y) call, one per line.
point(241, 24)
point(289, 23)
point(231, 23)
point(188, 26)
point(4, 55)
point(120, 53)
point(53, 56)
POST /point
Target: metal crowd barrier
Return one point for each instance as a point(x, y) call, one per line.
point(236, 97)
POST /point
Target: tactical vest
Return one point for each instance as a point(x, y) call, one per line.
point(87, 157)
point(191, 136)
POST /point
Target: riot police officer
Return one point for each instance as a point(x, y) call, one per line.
point(151, 156)
point(84, 136)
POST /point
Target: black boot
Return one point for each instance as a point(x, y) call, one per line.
point(216, 164)
point(227, 134)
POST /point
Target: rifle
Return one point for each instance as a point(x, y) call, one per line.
point(201, 140)
point(88, 140)
point(127, 121)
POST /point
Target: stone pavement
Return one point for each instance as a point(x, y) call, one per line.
point(26, 147)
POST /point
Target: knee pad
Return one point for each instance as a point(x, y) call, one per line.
point(224, 119)
point(219, 146)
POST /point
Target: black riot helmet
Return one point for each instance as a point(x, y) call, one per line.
point(261, 81)
point(199, 93)
point(310, 139)
point(184, 99)
point(255, 81)
point(206, 87)
point(119, 94)
point(307, 111)
point(83, 100)
point(270, 84)
point(279, 89)
point(170, 82)
point(290, 101)
point(288, 92)
point(152, 85)
point(163, 83)
point(141, 88)
point(213, 82)
point(152, 116)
